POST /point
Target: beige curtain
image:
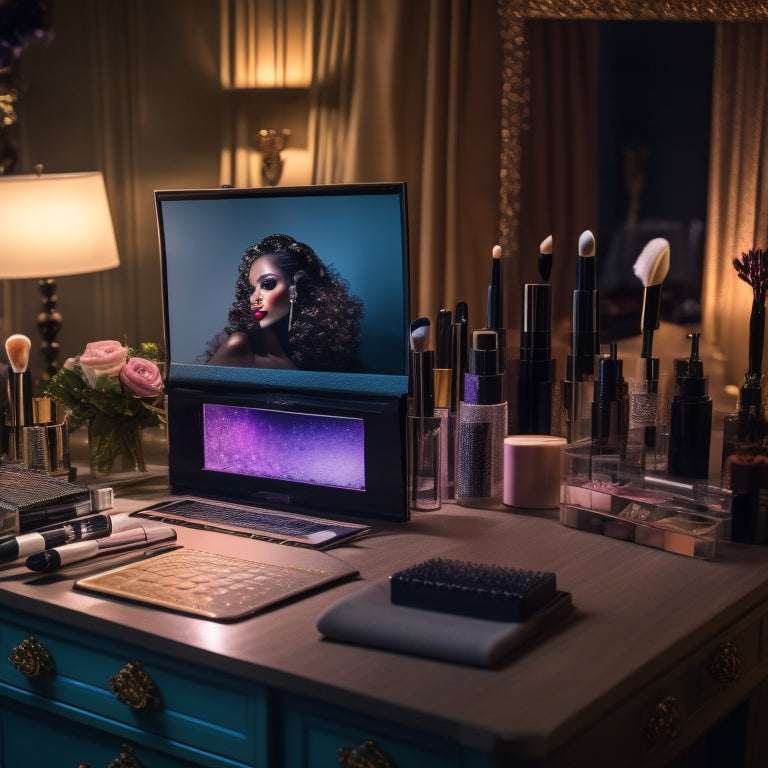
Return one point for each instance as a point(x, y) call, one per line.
point(413, 94)
point(560, 158)
point(737, 217)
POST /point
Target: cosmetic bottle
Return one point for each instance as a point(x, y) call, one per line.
point(482, 424)
point(649, 398)
point(690, 418)
point(532, 375)
point(610, 406)
point(423, 436)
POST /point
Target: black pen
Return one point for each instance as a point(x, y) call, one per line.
point(133, 538)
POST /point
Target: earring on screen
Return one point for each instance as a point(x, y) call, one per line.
point(292, 298)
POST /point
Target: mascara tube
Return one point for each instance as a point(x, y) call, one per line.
point(482, 424)
point(533, 375)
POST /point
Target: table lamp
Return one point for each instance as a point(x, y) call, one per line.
point(52, 225)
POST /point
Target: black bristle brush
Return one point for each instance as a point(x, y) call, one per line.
point(473, 589)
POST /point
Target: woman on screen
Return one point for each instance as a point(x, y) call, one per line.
point(290, 311)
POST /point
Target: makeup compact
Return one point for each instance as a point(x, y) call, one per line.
point(286, 312)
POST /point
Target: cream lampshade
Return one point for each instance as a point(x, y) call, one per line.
point(52, 225)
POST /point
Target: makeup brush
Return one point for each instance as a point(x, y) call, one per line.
point(422, 363)
point(651, 267)
point(495, 295)
point(545, 258)
point(17, 348)
point(581, 363)
point(586, 336)
point(420, 329)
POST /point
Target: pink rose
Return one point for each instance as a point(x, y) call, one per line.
point(142, 378)
point(102, 358)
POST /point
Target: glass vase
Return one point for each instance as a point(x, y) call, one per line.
point(115, 445)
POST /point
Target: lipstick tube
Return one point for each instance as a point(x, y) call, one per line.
point(482, 424)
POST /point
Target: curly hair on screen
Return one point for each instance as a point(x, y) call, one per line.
point(325, 329)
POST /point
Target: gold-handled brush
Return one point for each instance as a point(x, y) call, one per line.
point(17, 348)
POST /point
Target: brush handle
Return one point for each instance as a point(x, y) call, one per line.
point(20, 398)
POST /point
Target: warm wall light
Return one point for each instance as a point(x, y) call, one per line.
point(52, 225)
point(271, 143)
point(266, 43)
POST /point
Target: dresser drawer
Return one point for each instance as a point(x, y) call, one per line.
point(664, 718)
point(66, 745)
point(169, 703)
point(313, 736)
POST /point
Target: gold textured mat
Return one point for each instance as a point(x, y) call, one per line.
point(214, 586)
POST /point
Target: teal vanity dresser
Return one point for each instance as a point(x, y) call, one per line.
point(659, 651)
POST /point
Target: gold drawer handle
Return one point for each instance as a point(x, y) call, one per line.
point(133, 687)
point(725, 666)
point(125, 759)
point(664, 721)
point(368, 755)
point(31, 658)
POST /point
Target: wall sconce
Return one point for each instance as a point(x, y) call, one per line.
point(54, 224)
point(271, 143)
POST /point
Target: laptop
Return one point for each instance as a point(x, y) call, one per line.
point(274, 434)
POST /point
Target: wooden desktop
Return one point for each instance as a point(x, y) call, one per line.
point(659, 649)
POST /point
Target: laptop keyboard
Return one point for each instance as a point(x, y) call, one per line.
point(262, 523)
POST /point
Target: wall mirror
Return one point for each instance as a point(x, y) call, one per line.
point(521, 76)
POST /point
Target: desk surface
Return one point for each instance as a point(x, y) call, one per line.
point(637, 612)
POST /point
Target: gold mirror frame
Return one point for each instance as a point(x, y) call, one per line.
point(515, 94)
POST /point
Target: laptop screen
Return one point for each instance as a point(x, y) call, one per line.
point(353, 235)
point(286, 317)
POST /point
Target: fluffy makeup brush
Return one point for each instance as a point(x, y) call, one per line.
point(651, 267)
point(17, 348)
point(420, 329)
point(545, 258)
point(422, 365)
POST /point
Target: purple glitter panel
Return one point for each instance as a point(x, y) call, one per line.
point(298, 447)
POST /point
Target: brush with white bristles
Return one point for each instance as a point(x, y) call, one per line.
point(422, 365)
point(651, 267)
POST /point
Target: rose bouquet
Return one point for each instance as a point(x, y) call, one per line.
point(116, 392)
